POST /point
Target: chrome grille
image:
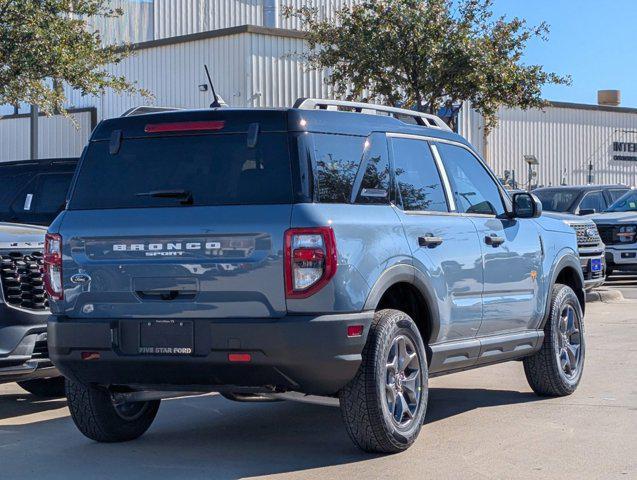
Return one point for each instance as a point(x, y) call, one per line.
point(585, 235)
point(21, 273)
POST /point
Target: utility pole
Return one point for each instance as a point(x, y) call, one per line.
point(34, 132)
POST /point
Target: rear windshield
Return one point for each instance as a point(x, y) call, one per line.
point(198, 170)
point(557, 200)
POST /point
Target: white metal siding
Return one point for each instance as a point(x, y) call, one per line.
point(58, 137)
point(156, 19)
point(182, 17)
point(248, 70)
point(564, 140)
point(326, 10)
point(277, 74)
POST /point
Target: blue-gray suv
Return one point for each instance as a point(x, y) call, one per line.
point(332, 249)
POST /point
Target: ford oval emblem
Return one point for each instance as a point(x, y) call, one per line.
point(81, 278)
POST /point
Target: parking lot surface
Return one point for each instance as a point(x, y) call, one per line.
point(484, 423)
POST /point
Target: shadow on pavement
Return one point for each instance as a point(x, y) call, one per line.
point(17, 405)
point(448, 402)
point(210, 437)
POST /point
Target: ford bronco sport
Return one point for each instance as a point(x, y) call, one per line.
point(348, 254)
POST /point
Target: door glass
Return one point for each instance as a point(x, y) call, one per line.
point(374, 184)
point(616, 194)
point(475, 190)
point(419, 184)
point(593, 201)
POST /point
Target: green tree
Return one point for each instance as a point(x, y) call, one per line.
point(424, 53)
point(45, 44)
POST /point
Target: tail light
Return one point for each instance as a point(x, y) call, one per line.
point(53, 266)
point(310, 260)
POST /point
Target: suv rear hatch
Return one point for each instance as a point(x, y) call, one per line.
point(175, 217)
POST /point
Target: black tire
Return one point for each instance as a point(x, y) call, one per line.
point(545, 370)
point(45, 387)
point(365, 401)
point(609, 272)
point(96, 416)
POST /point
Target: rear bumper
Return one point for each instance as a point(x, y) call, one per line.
point(310, 354)
point(23, 352)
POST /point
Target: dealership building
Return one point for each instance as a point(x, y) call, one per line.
point(253, 53)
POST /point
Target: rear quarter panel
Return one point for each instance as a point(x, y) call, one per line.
point(369, 240)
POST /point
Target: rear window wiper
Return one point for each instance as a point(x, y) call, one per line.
point(184, 195)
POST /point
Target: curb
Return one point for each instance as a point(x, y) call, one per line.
point(605, 296)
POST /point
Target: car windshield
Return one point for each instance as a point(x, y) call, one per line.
point(627, 203)
point(557, 200)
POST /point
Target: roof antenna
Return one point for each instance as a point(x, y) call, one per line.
point(215, 103)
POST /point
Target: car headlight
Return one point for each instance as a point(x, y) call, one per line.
point(627, 233)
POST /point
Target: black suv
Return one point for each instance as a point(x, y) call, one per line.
point(579, 199)
point(32, 193)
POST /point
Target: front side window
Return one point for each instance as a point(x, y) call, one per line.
point(474, 189)
point(616, 194)
point(417, 177)
point(593, 201)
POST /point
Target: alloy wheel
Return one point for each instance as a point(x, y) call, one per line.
point(403, 388)
point(569, 342)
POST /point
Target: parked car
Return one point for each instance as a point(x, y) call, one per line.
point(618, 229)
point(591, 248)
point(32, 193)
point(579, 199)
point(368, 254)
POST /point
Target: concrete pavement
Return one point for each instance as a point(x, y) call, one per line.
point(483, 423)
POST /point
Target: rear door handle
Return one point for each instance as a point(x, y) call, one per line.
point(493, 240)
point(430, 241)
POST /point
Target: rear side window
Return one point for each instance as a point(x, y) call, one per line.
point(200, 170)
point(374, 174)
point(419, 184)
point(337, 159)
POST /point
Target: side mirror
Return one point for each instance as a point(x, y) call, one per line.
point(587, 211)
point(526, 205)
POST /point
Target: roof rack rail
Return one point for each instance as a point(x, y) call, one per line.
point(144, 109)
point(424, 119)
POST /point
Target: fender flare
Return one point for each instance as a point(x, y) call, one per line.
point(404, 273)
point(567, 259)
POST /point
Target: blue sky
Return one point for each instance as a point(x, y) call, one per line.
point(594, 41)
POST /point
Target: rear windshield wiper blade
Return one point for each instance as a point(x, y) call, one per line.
point(184, 195)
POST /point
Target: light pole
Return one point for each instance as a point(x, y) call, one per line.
point(34, 132)
point(531, 161)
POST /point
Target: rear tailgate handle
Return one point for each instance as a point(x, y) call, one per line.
point(166, 295)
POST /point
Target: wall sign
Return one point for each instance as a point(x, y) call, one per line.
point(625, 151)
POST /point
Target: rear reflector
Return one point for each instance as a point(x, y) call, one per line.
point(185, 126)
point(355, 330)
point(239, 357)
point(91, 355)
